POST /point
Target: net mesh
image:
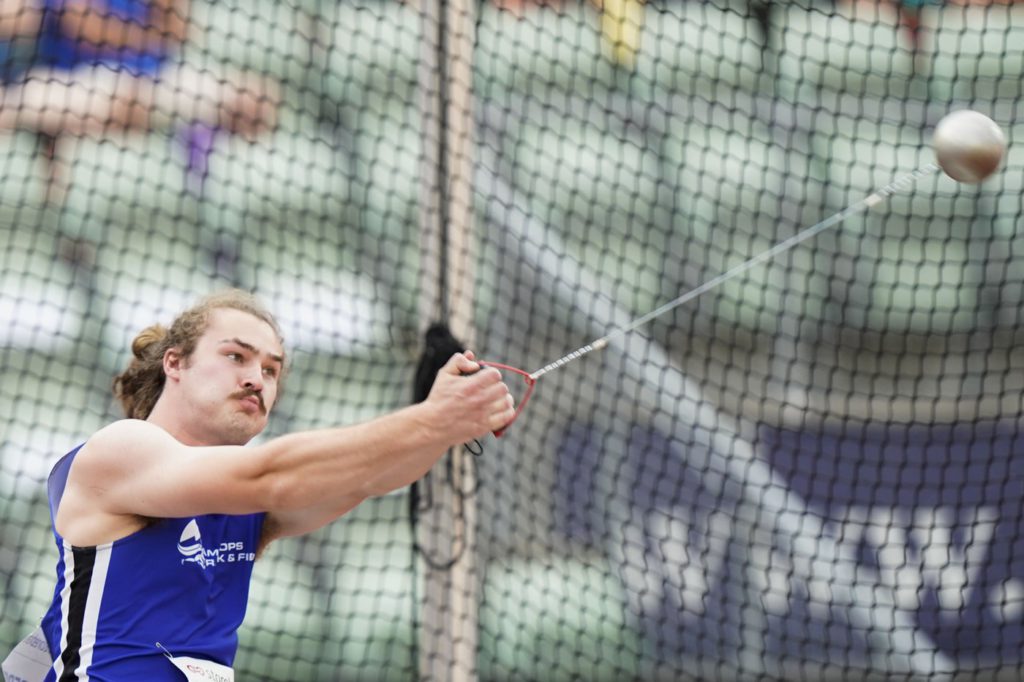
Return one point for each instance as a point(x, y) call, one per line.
point(814, 471)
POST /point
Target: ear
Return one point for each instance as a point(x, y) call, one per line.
point(173, 363)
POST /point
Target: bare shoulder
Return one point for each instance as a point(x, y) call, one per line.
point(92, 510)
point(123, 442)
point(128, 429)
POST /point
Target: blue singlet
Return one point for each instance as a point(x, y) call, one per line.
point(181, 582)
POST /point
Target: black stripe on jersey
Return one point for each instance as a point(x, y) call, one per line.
point(85, 558)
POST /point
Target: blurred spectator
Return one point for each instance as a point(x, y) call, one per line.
point(16, 17)
point(109, 64)
point(19, 25)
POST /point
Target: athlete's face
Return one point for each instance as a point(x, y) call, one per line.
point(231, 379)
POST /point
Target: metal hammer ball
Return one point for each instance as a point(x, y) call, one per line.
point(969, 146)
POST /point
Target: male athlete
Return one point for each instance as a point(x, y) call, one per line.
point(159, 517)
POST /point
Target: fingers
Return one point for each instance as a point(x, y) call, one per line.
point(482, 401)
point(502, 412)
point(499, 408)
point(495, 406)
point(461, 363)
point(501, 405)
point(503, 415)
point(486, 389)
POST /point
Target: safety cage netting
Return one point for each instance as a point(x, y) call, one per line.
point(813, 471)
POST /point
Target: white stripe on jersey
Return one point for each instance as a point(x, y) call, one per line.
point(65, 595)
point(100, 567)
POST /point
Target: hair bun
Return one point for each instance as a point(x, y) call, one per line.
point(148, 338)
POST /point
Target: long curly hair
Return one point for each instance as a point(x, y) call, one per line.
point(140, 385)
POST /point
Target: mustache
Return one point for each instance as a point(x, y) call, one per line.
point(245, 393)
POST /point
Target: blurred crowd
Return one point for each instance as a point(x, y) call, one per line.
point(92, 67)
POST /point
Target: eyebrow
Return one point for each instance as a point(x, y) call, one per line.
point(253, 349)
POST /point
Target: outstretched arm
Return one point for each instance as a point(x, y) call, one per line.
point(133, 470)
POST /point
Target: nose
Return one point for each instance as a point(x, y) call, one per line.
point(253, 380)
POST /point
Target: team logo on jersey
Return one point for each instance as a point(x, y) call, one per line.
point(190, 546)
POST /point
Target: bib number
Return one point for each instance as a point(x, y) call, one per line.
point(198, 670)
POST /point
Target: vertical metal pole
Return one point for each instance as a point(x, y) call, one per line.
point(448, 636)
point(462, 259)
